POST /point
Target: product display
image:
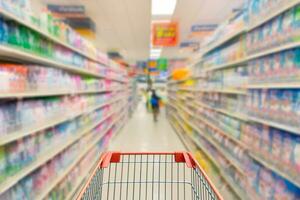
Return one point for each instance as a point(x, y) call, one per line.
point(244, 105)
point(61, 102)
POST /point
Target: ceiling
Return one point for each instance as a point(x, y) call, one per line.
point(125, 25)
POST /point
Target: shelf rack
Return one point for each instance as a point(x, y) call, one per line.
point(48, 155)
point(26, 56)
point(49, 123)
point(20, 21)
point(58, 179)
point(223, 174)
point(29, 94)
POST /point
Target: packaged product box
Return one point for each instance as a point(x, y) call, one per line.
point(3, 31)
point(287, 151)
point(252, 173)
point(14, 35)
point(285, 190)
point(14, 157)
point(290, 67)
point(277, 30)
point(296, 154)
point(295, 121)
point(296, 24)
point(274, 104)
point(287, 26)
point(277, 145)
point(3, 164)
point(265, 146)
point(264, 108)
point(27, 185)
point(257, 131)
point(266, 183)
point(286, 105)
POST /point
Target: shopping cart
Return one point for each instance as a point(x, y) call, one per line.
point(148, 176)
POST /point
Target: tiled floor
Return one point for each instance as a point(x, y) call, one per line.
point(142, 134)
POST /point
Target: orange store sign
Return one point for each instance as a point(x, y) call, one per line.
point(165, 34)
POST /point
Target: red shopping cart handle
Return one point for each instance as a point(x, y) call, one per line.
point(115, 157)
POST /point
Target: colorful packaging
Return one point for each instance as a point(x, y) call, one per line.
point(265, 140)
point(296, 154)
point(285, 190)
point(266, 184)
point(287, 151)
point(3, 164)
point(277, 144)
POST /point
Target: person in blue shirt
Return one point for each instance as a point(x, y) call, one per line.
point(155, 103)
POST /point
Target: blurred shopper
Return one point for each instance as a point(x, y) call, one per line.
point(155, 104)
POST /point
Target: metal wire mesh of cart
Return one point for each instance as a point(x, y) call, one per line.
point(158, 176)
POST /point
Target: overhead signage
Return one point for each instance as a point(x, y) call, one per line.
point(165, 34)
point(203, 27)
point(201, 31)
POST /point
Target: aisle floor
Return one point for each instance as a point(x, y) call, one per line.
point(141, 134)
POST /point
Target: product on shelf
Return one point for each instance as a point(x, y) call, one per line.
point(32, 78)
point(280, 30)
point(281, 67)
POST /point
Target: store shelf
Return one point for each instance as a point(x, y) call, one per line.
point(223, 111)
point(273, 168)
point(58, 179)
point(225, 91)
point(241, 194)
point(295, 85)
point(227, 65)
point(48, 155)
point(225, 40)
point(217, 146)
point(23, 55)
point(84, 176)
point(5, 139)
point(53, 93)
point(276, 49)
point(288, 4)
point(275, 125)
point(20, 21)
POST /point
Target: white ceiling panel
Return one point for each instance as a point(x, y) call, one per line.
point(125, 25)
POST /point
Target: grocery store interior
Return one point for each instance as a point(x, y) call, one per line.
point(149, 99)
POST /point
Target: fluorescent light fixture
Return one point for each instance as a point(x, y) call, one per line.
point(158, 51)
point(163, 7)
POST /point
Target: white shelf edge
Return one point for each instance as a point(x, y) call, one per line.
point(265, 19)
point(224, 111)
point(276, 49)
point(21, 54)
point(23, 133)
point(228, 38)
point(226, 65)
point(273, 85)
point(225, 91)
point(54, 93)
point(275, 125)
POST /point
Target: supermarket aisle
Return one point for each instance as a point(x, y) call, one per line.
point(142, 134)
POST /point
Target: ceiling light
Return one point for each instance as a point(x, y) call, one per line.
point(155, 51)
point(163, 7)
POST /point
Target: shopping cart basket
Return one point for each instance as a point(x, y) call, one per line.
point(148, 176)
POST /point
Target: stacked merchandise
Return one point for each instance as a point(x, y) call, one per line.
point(56, 115)
point(245, 110)
point(133, 97)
